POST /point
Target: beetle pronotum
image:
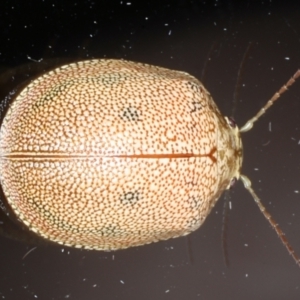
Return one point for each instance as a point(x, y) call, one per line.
point(109, 154)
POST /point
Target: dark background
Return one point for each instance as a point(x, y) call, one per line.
point(207, 39)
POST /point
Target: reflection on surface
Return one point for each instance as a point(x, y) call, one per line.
point(178, 35)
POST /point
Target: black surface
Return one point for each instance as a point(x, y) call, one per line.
point(184, 35)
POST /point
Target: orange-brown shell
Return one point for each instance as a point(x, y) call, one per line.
point(109, 154)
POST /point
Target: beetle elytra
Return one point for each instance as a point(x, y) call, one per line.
point(109, 154)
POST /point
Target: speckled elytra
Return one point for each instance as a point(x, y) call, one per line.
point(109, 154)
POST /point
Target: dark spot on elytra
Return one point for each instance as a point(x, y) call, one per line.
point(195, 202)
point(194, 222)
point(196, 106)
point(195, 87)
point(130, 113)
point(108, 230)
point(130, 197)
point(110, 81)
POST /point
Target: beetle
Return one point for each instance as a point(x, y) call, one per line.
point(108, 154)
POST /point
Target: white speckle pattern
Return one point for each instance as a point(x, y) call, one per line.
point(109, 154)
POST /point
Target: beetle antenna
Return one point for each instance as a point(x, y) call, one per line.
point(284, 88)
point(247, 183)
